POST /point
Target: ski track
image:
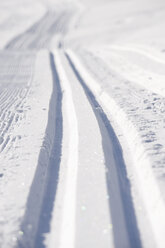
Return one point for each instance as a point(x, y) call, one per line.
point(16, 76)
point(41, 222)
point(144, 173)
point(45, 181)
point(86, 230)
point(120, 202)
point(61, 196)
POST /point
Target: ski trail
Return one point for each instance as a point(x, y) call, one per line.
point(154, 205)
point(40, 200)
point(125, 228)
point(87, 223)
point(52, 177)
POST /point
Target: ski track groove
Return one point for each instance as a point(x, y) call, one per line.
point(119, 190)
point(146, 180)
point(45, 181)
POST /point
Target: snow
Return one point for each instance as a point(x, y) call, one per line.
point(91, 170)
point(82, 140)
point(16, 18)
point(68, 218)
point(23, 148)
point(144, 173)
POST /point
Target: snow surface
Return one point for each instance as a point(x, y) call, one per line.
point(82, 127)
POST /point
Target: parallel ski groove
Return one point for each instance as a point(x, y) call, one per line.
point(154, 205)
point(126, 233)
point(45, 181)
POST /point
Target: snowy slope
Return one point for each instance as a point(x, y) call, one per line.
point(82, 134)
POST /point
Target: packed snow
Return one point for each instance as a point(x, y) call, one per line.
point(82, 127)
